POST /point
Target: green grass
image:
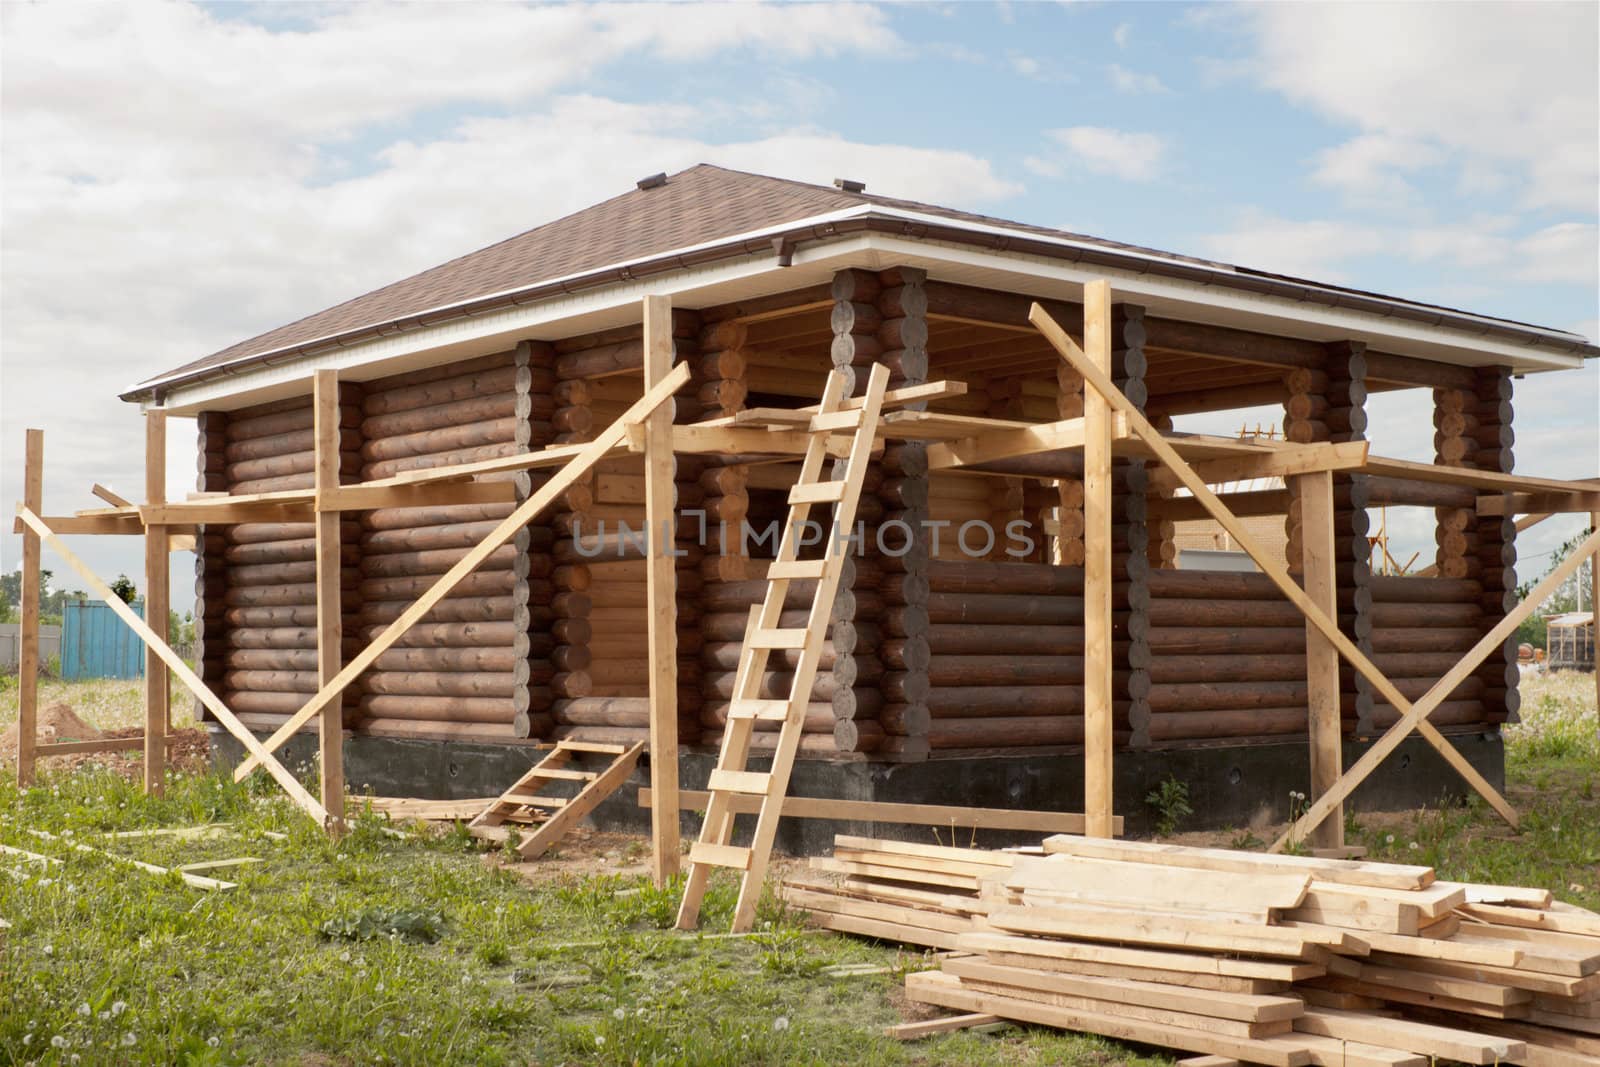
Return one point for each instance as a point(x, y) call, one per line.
point(424, 950)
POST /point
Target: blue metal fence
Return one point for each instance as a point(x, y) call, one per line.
point(97, 644)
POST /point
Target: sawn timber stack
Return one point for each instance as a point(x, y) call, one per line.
point(1281, 960)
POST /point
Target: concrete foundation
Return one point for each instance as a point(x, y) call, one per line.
point(1236, 786)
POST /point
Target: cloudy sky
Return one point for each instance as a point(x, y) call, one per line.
point(177, 177)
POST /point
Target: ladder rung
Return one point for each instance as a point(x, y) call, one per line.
point(796, 568)
point(816, 492)
point(720, 855)
point(561, 772)
point(592, 746)
point(791, 638)
point(536, 800)
point(835, 420)
point(767, 710)
point(756, 783)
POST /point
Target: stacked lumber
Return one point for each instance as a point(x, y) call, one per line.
point(897, 890)
point(1263, 959)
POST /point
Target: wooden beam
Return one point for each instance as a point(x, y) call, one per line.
point(1594, 629)
point(28, 654)
point(952, 816)
point(1263, 461)
point(330, 602)
point(175, 663)
point(1576, 502)
point(157, 602)
point(1098, 428)
point(661, 591)
point(1317, 564)
point(1414, 715)
point(700, 440)
point(588, 455)
point(1004, 444)
point(1488, 481)
point(1279, 576)
point(109, 497)
point(435, 494)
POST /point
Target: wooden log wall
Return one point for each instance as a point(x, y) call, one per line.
point(1472, 429)
point(902, 505)
point(1005, 664)
point(264, 660)
point(1130, 539)
point(477, 666)
point(1069, 506)
point(1227, 658)
point(721, 376)
point(1344, 412)
point(601, 680)
point(210, 568)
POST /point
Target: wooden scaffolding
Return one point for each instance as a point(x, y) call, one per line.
point(1111, 426)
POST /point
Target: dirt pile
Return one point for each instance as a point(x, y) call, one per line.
point(58, 722)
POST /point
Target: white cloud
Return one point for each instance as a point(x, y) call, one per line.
point(1370, 169)
point(1026, 66)
point(1121, 34)
point(1132, 81)
point(1502, 84)
point(1308, 249)
point(1101, 150)
point(1565, 252)
point(176, 181)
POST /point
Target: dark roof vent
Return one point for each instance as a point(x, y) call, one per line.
point(655, 181)
point(849, 185)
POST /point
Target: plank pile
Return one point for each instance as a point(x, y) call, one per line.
point(1262, 959)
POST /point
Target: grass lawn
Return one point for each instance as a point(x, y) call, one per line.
point(426, 949)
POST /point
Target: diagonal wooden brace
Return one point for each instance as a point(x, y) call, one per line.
point(1274, 570)
point(179, 668)
point(1494, 639)
point(548, 493)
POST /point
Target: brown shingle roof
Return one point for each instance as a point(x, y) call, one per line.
point(700, 205)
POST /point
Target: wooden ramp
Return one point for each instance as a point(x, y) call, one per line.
point(731, 780)
point(525, 805)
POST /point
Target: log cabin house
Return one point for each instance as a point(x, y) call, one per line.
point(953, 671)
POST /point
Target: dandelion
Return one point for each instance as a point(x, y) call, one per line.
point(103, 1016)
point(378, 988)
point(1413, 846)
point(213, 1041)
point(49, 950)
point(75, 1058)
point(781, 1023)
point(599, 1039)
point(128, 1040)
point(118, 1007)
point(344, 957)
point(27, 1039)
point(618, 1014)
point(58, 1042)
point(1389, 840)
point(84, 1010)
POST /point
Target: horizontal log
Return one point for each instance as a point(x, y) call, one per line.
point(1202, 613)
point(429, 730)
point(503, 430)
point(1211, 585)
point(1390, 589)
point(1399, 616)
point(411, 682)
point(1404, 492)
point(1183, 641)
point(603, 711)
point(1207, 696)
point(1005, 670)
point(995, 639)
point(455, 609)
point(1005, 578)
point(997, 701)
point(458, 387)
point(1283, 667)
point(493, 583)
point(992, 608)
point(437, 708)
point(1210, 725)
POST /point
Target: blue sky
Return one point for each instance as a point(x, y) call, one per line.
point(178, 177)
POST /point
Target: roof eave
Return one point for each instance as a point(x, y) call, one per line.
point(893, 222)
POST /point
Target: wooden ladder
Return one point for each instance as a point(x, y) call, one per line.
point(731, 779)
point(524, 805)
